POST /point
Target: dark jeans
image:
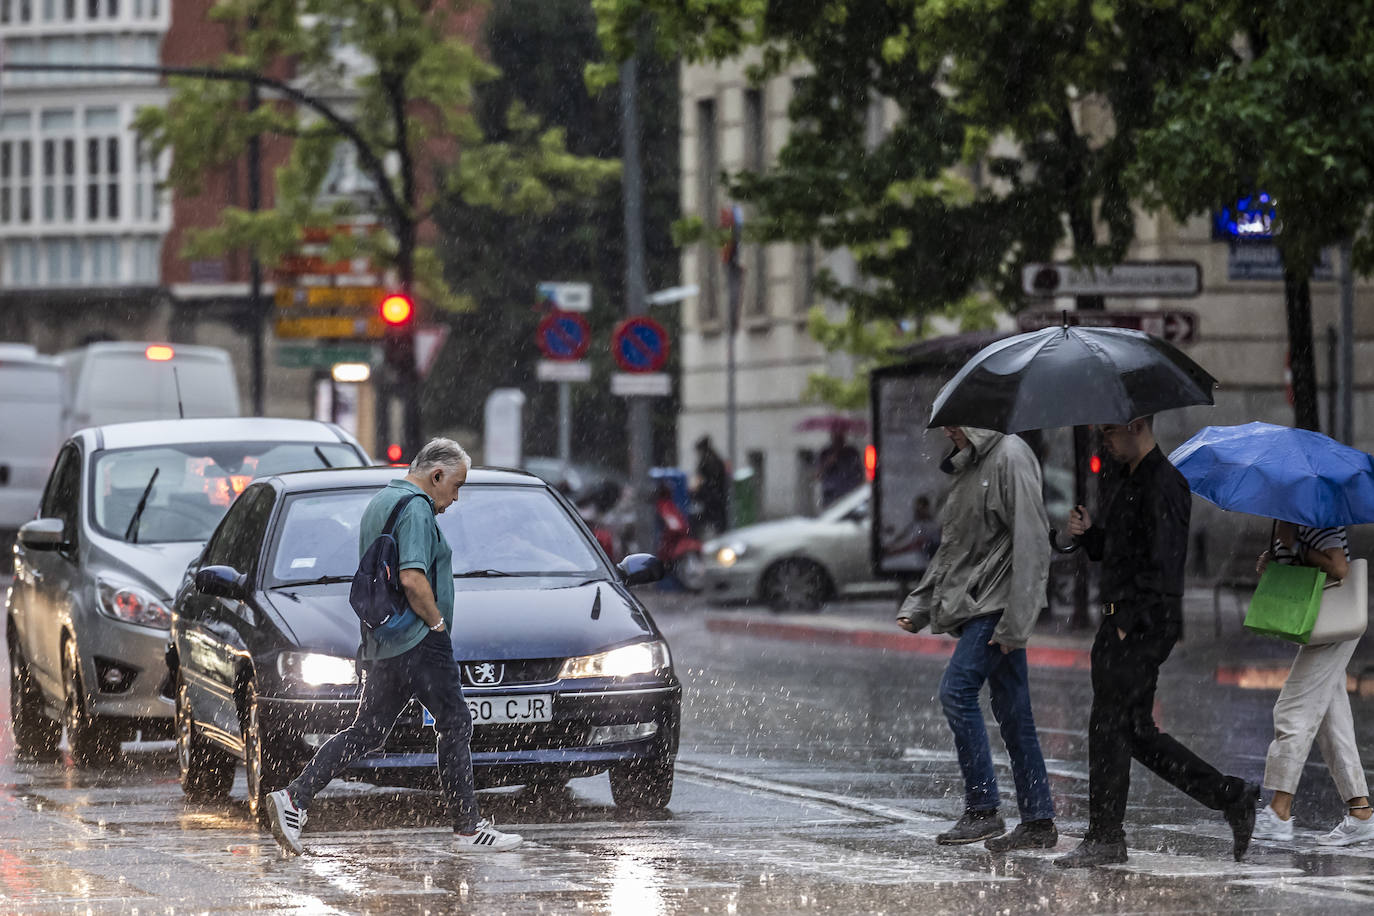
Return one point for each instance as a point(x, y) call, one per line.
point(973, 663)
point(1122, 726)
point(429, 673)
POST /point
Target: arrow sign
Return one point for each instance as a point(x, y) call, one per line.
point(563, 336)
point(640, 345)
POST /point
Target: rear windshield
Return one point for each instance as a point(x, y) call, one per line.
point(194, 486)
point(518, 531)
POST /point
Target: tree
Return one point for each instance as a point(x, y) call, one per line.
point(395, 83)
point(1011, 128)
point(1286, 111)
point(1013, 123)
point(497, 258)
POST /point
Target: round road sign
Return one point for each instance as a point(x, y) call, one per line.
point(640, 345)
point(563, 336)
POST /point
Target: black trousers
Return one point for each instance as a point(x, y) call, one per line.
point(1122, 727)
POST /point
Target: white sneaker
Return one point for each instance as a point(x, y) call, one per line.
point(286, 821)
point(1349, 831)
point(485, 839)
point(1269, 826)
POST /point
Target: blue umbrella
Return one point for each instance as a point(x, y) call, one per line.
point(1294, 475)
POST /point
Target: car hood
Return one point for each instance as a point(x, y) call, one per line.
point(768, 533)
point(502, 619)
point(162, 566)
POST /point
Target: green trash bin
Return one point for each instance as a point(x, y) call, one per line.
point(744, 499)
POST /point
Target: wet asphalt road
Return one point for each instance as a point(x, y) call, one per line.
point(811, 779)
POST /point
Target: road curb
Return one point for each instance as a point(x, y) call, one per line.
point(1073, 658)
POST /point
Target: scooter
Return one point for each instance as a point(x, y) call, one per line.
point(679, 550)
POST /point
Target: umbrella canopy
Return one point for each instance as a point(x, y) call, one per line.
point(1070, 376)
point(1294, 475)
point(833, 422)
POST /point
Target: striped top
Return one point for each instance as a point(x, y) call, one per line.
point(1322, 539)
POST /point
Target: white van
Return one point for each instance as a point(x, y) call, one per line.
point(31, 430)
point(115, 382)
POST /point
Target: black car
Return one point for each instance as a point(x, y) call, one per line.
point(564, 670)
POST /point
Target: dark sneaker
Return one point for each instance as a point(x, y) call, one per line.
point(973, 827)
point(1094, 852)
point(1241, 816)
point(1041, 834)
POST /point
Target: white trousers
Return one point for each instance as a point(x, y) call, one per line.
point(1314, 704)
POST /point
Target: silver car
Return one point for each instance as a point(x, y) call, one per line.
point(126, 508)
point(796, 563)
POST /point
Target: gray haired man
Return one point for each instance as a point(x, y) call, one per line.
point(416, 661)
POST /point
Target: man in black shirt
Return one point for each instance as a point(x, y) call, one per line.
point(1142, 546)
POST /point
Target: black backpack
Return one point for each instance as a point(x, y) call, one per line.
point(376, 594)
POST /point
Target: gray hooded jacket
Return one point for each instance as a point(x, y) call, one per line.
point(994, 552)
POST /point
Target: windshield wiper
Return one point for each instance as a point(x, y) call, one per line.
point(483, 574)
point(131, 533)
point(323, 460)
point(322, 580)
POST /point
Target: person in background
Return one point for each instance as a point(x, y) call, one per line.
point(1314, 705)
point(986, 585)
point(839, 467)
point(1143, 547)
point(711, 494)
point(920, 539)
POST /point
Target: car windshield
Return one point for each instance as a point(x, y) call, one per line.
point(854, 501)
point(194, 484)
point(494, 531)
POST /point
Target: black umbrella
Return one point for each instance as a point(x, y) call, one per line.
point(1070, 376)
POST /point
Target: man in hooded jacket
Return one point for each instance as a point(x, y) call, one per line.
point(986, 585)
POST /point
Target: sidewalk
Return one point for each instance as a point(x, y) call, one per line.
point(1237, 657)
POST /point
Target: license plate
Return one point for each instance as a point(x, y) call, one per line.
point(537, 707)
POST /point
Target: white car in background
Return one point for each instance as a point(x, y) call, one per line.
point(796, 563)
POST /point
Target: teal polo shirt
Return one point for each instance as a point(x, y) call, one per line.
point(420, 545)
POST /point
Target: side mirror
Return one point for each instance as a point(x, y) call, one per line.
point(222, 582)
point(43, 534)
point(640, 569)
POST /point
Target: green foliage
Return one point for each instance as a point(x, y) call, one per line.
point(496, 257)
point(1286, 110)
point(397, 81)
point(1008, 129)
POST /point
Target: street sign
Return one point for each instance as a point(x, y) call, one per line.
point(304, 356)
point(563, 335)
point(548, 370)
point(294, 325)
point(361, 297)
point(640, 345)
point(641, 384)
point(1144, 279)
point(429, 340)
point(1176, 326)
point(565, 297)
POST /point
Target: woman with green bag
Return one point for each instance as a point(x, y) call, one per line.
point(1314, 704)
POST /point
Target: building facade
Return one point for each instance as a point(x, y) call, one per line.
point(1239, 334)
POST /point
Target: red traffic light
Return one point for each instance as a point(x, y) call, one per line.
point(397, 309)
point(1095, 464)
point(393, 452)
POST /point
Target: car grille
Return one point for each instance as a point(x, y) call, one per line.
point(511, 673)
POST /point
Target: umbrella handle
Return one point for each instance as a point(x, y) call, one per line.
point(1054, 543)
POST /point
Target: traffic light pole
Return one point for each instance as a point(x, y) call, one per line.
point(632, 183)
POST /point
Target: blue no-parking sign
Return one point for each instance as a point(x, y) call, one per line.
point(640, 345)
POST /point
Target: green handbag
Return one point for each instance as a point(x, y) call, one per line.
point(1286, 602)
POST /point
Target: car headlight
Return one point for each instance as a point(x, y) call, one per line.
point(640, 658)
point(730, 554)
point(316, 668)
point(132, 604)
